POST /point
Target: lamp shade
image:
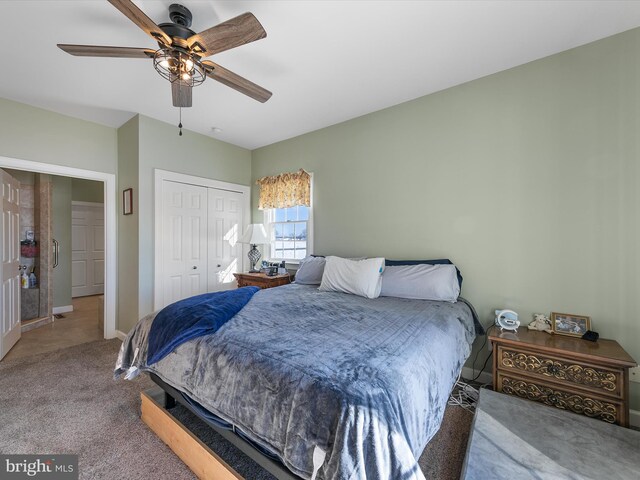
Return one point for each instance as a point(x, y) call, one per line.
point(255, 235)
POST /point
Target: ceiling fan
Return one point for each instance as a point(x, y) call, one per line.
point(179, 57)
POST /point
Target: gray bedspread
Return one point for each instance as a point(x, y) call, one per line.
point(366, 381)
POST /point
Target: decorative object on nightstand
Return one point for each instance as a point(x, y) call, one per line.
point(254, 236)
point(589, 378)
point(261, 280)
point(507, 320)
point(540, 322)
point(569, 324)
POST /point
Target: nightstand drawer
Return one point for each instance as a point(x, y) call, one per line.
point(598, 379)
point(607, 410)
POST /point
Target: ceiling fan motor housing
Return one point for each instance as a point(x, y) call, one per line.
point(180, 14)
point(181, 17)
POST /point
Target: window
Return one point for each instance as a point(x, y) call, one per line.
point(289, 230)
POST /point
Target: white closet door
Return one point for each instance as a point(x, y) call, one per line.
point(225, 229)
point(184, 241)
point(9, 273)
point(87, 250)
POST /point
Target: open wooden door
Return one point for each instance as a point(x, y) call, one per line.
point(10, 262)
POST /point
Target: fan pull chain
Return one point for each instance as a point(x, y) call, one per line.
point(180, 124)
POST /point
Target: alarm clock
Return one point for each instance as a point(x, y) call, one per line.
point(507, 320)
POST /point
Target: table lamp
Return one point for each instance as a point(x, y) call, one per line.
point(254, 235)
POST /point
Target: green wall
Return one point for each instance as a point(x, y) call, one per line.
point(128, 227)
point(35, 134)
point(61, 225)
point(87, 190)
point(528, 179)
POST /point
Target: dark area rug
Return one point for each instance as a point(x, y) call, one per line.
point(67, 402)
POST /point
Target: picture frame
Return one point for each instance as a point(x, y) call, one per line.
point(127, 201)
point(570, 324)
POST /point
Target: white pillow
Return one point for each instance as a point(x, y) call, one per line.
point(423, 282)
point(360, 277)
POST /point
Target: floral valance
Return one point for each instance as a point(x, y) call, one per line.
point(285, 190)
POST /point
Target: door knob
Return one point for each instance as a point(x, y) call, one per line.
point(194, 267)
point(219, 265)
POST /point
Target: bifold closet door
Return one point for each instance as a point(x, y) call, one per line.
point(225, 228)
point(184, 241)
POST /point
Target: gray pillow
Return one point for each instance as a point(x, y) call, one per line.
point(310, 271)
point(423, 282)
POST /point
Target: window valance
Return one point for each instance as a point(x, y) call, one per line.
point(285, 190)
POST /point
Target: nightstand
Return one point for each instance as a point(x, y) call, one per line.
point(261, 280)
point(589, 378)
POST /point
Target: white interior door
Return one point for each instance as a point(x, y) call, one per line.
point(9, 267)
point(184, 241)
point(87, 250)
point(225, 228)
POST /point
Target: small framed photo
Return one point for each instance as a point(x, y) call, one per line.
point(569, 324)
point(127, 201)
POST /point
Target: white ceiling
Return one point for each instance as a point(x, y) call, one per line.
point(325, 61)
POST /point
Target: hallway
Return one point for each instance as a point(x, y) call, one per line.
point(79, 326)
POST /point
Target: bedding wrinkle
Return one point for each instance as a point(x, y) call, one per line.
point(365, 380)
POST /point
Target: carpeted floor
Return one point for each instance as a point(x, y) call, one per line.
point(67, 402)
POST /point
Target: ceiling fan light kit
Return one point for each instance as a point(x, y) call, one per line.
point(179, 58)
point(174, 65)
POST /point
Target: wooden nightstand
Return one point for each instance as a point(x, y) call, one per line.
point(261, 280)
point(589, 378)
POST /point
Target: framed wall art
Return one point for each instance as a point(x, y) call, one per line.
point(127, 201)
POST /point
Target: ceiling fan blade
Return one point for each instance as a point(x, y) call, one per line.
point(230, 79)
point(105, 51)
point(137, 16)
point(181, 94)
point(242, 29)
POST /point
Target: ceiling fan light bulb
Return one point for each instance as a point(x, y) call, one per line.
point(188, 65)
point(186, 76)
point(165, 63)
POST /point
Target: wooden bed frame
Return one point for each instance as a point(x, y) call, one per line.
point(203, 462)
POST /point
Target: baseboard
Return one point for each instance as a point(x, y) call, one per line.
point(35, 323)
point(634, 418)
point(121, 335)
point(469, 373)
point(63, 309)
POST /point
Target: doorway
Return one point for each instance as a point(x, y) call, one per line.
point(109, 238)
point(60, 225)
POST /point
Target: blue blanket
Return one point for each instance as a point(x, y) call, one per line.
point(194, 317)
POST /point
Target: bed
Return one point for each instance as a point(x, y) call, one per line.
point(361, 383)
